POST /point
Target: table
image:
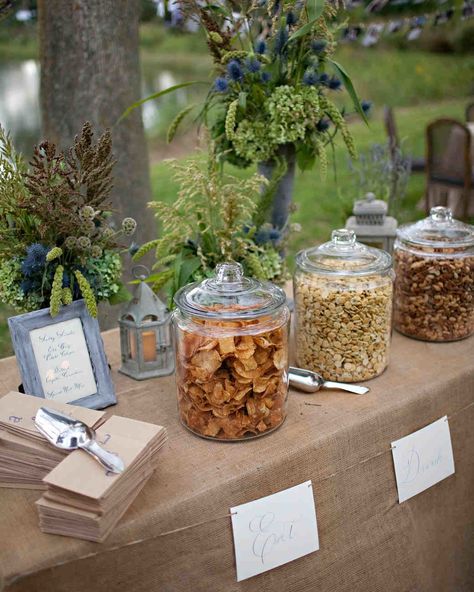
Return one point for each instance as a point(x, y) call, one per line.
point(177, 534)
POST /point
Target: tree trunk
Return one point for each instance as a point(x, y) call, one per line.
point(90, 72)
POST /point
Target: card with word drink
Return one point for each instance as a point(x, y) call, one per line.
point(274, 530)
point(423, 459)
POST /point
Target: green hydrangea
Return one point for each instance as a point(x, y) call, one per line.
point(10, 288)
point(264, 264)
point(251, 141)
point(291, 111)
point(105, 274)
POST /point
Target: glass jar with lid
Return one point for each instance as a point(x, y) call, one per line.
point(231, 355)
point(434, 285)
point(343, 299)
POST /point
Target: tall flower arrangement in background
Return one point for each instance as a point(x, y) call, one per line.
point(57, 240)
point(275, 77)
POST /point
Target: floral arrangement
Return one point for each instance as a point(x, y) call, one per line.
point(384, 171)
point(273, 85)
point(57, 239)
point(216, 218)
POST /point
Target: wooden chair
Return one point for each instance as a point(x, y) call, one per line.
point(417, 164)
point(449, 174)
point(470, 113)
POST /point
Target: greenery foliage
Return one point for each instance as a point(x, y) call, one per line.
point(215, 218)
point(57, 240)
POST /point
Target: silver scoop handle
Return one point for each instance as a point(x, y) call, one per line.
point(310, 382)
point(352, 388)
point(109, 460)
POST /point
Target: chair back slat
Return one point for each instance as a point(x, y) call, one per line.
point(470, 113)
point(448, 151)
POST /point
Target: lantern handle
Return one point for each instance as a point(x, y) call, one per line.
point(140, 276)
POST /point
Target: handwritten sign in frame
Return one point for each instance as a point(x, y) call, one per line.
point(22, 325)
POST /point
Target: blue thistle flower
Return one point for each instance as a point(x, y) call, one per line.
point(234, 70)
point(260, 47)
point(281, 39)
point(323, 125)
point(221, 84)
point(133, 248)
point(334, 83)
point(310, 78)
point(318, 45)
point(266, 76)
point(291, 18)
point(261, 237)
point(366, 106)
point(274, 234)
point(27, 286)
point(253, 65)
point(324, 79)
point(35, 260)
point(66, 280)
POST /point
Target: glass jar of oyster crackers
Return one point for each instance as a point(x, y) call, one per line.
point(434, 284)
point(231, 355)
point(343, 299)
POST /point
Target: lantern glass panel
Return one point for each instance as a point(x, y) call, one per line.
point(148, 337)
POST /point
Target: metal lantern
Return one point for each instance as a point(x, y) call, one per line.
point(371, 223)
point(145, 335)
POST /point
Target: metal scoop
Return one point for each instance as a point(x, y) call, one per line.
point(69, 434)
point(310, 382)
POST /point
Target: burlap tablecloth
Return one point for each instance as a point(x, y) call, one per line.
point(177, 535)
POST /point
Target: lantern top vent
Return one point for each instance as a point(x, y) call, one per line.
point(370, 210)
point(145, 305)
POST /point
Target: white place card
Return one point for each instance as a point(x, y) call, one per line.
point(274, 530)
point(64, 365)
point(423, 458)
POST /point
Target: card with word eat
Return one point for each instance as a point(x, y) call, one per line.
point(423, 459)
point(274, 530)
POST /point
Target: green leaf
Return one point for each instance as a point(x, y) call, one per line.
point(188, 267)
point(157, 95)
point(350, 89)
point(243, 100)
point(123, 295)
point(305, 29)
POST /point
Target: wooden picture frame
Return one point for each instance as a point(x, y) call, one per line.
point(63, 357)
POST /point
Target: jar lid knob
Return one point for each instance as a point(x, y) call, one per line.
point(441, 214)
point(229, 273)
point(343, 237)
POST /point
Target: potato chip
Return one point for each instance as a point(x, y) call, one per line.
point(280, 359)
point(207, 360)
point(226, 345)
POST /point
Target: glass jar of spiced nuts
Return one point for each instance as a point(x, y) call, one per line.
point(434, 284)
point(231, 355)
point(343, 300)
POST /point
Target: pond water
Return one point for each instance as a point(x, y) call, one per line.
point(20, 110)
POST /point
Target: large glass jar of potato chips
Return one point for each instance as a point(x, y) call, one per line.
point(231, 355)
point(343, 300)
point(434, 284)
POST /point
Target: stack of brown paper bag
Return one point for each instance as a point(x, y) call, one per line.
point(26, 457)
point(83, 499)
